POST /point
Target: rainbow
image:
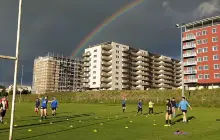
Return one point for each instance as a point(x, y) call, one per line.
point(105, 23)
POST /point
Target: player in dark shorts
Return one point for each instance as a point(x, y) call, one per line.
point(123, 104)
point(43, 108)
point(37, 105)
point(54, 106)
point(173, 102)
point(140, 109)
point(3, 108)
point(183, 105)
point(168, 113)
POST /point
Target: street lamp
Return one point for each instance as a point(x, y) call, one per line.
point(182, 66)
point(22, 73)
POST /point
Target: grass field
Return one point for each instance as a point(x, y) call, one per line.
point(85, 118)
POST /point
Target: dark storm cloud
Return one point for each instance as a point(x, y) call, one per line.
point(59, 25)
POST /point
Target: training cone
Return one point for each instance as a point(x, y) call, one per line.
point(126, 127)
point(154, 124)
point(130, 121)
point(15, 125)
point(67, 119)
point(5, 123)
point(80, 121)
point(95, 130)
point(51, 123)
point(101, 123)
point(116, 116)
point(71, 126)
point(29, 130)
point(108, 118)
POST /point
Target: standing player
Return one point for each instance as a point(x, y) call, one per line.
point(173, 102)
point(168, 113)
point(151, 108)
point(124, 104)
point(183, 106)
point(54, 106)
point(140, 109)
point(43, 109)
point(3, 108)
point(37, 105)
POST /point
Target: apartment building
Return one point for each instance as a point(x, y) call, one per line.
point(56, 74)
point(114, 66)
point(201, 52)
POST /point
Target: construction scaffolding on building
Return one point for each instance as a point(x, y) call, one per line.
point(55, 73)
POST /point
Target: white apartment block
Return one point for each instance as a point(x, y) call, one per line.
point(114, 66)
point(56, 74)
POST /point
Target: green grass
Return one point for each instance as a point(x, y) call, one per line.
point(204, 127)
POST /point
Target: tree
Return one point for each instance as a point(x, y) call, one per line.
point(2, 87)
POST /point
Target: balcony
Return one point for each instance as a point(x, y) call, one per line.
point(106, 47)
point(86, 59)
point(85, 80)
point(124, 60)
point(190, 63)
point(191, 46)
point(189, 54)
point(107, 53)
point(104, 74)
point(105, 85)
point(165, 64)
point(87, 54)
point(86, 65)
point(190, 80)
point(134, 78)
point(106, 69)
point(85, 86)
point(106, 58)
point(125, 65)
point(190, 71)
point(86, 75)
point(125, 81)
point(106, 80)
point(125, 70)
point(124, 54)
point(86, 70)
point(188, 38)
point(106, 63)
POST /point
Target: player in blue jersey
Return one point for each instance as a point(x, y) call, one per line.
point(43, 108)
point(183, 105)
point(54, 106)
point(140, 109)
point(124, 104)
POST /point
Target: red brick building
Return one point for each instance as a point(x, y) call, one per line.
point(201, 53)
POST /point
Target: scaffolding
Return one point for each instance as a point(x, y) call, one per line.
point(55, 73)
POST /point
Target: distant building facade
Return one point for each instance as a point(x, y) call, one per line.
point(114, 66)
point(56, 74)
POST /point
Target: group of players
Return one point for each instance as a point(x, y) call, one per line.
point(42, 104)
point(171, 107)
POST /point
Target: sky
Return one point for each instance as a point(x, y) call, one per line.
point(60, 25)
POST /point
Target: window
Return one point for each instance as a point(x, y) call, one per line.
point(206, 67)
point(117, 67)
point(204, 32)
point(94, 66)
point(117, 72)
point(199, 59)
point(95, 61)
point(94, 83)
point(95, 50)
point(206, 76)
point(214, 39)
point(215, 57)
point(216, 66)
point(116, 83)
point(117, 51)
point(117, 46)
point(94, 77)
point(117, 62)
point(199, 42)
point(200, 67)
point(205, 49)
point(214, 30)
point(200, 76)
point(198, 33)
point(117, 56)
point(205, 58)
point(95, 56)
point(116, 78)
point(217, 75)
point(94, 72)
point(200, 50)
point(214, 48)
point(205, 41)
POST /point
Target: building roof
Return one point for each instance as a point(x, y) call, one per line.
point(202, 22)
